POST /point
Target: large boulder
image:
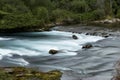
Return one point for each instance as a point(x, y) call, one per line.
point(74, 37)
point(53, 51)
point(87, 46)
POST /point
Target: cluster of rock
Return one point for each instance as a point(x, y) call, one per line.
point(86, 46)
point(103, 34)
point(108, 21)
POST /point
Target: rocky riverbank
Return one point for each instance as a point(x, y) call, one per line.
point(90, 30)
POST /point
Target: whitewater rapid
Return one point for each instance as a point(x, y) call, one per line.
point(39, 43)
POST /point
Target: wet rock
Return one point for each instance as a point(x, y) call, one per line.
point(87, 46)
point(52, 51)
point(106, 36)
point(16, 56)
point(87, 34)
point(74, 37)
point(92, 33)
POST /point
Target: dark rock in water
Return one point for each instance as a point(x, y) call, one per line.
point(87, 34)
point(106, 36)
point(52, 51)
point(87, 46)
point(16, 56)
point(74, 37)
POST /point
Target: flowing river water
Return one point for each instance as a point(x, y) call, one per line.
point(31, 49)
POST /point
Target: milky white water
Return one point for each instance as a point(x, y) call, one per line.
point(39, 44)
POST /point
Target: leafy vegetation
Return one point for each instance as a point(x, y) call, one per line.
point(38, 13)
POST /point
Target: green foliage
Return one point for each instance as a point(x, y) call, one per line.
point(31, 13)
point(21, 20)
point(13, 6)
point(108, 7)
point(79, 6)
point(92, 4)
point(118, 14)
point(41, 13)
point(59, 15)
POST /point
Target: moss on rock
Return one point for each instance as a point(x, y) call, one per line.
point(20, 73)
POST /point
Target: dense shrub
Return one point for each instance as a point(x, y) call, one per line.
point(79, 6)
point(41, 13)
point(60, 15)
point(21, 20)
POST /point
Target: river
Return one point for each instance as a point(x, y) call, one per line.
point(31, 49)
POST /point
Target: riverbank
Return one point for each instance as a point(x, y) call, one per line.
point(106, 24)
point(90, 30)
point(20, 73)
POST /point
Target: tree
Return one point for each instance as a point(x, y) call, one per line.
point(79, 6)
point(108, 7)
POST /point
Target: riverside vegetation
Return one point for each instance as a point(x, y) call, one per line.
point(23, 15)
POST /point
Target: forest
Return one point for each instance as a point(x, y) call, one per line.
point(37, 13)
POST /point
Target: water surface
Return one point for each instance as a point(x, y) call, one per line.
point(32, 49)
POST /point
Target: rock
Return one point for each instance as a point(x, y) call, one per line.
point(87, 46)
point(94, 34)
point(87, 34)
point(74, 37)
point(52, 51)
point(108, 21)
point(106, 36)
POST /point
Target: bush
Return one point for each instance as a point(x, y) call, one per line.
point(21, 20)
point(94, 15)
point(79, 6)
point(59, 15)
point(98, 14)
point(41, 13)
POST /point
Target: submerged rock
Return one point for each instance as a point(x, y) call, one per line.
point(74, 37)
point(20, 73)
point(52, 51)
point(87, 46)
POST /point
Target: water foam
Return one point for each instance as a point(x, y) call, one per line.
point(1, 38)
point(18, 61)
point(40, 46)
